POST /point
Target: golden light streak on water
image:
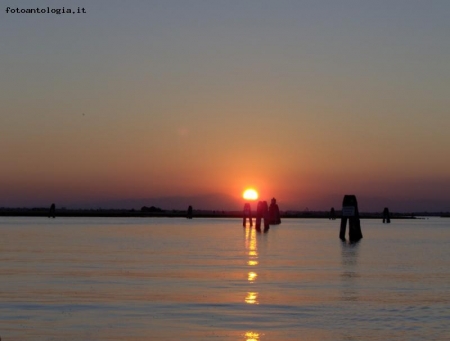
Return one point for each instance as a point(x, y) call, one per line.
point(251, 244)
point(252, 298)
point(252, 276)
point(252, 251)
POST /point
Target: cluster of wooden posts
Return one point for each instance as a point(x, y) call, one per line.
point(350, 213)
point(270, 215)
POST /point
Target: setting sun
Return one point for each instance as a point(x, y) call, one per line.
point(250, 194)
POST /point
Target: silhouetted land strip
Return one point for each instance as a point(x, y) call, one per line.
point(43, 212)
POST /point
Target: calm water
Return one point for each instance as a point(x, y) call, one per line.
point(211, 279)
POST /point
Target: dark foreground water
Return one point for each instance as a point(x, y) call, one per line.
point(211, 279)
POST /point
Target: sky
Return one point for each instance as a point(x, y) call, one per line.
point(165, 101)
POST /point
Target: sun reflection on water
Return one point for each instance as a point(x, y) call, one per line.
point(252, 276)
point(252, 298)
point(251, 246)
point(252, 252)
point(250, 242)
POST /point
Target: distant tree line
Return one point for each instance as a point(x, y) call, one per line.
point(151, 209)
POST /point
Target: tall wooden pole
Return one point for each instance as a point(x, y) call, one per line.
point(350, 212)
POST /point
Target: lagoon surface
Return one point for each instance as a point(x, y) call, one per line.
point(212, 279)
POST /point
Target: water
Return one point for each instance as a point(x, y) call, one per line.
point(211, 279)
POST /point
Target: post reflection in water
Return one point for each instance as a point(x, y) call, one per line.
point(350, 272)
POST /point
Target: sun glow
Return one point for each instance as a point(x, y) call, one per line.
point(252, 336)
point(250, 194)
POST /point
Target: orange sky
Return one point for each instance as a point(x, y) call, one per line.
point(305, 102)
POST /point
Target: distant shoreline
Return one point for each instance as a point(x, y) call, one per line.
point(123, 213)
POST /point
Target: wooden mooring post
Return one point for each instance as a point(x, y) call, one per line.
point(332, 214)
point(350, 212)
point(189, 213)
point(386, 216)
point(274, 213)
point(247, 215)
point(52, 211)
point(262, 212)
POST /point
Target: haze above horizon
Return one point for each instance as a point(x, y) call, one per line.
point(302, 101)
